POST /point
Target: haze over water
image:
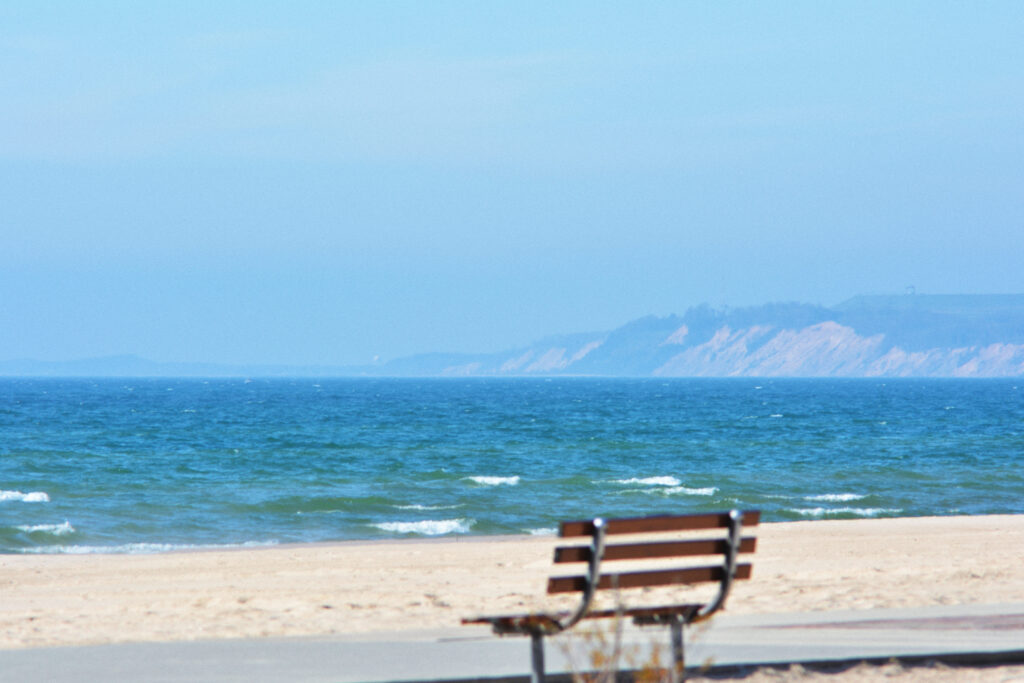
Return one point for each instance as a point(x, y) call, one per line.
point(155, 464)
point(332, 184)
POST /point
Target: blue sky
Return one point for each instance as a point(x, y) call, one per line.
point(328, 182)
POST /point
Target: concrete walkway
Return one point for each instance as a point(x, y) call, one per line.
point(955, 633)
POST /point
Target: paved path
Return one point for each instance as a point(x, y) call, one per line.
point(995, 631)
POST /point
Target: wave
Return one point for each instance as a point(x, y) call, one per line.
point(651, 481)
point(859, 512)
point(703, 491)
point(495, 481)
point(428, 507)
point(836, 497)
point(542, 531)
point(428, 527)
point(33, 497)
point(64, 529)
point(134, 548)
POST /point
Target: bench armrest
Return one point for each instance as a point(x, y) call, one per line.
point(593, 576)
point(735, 533)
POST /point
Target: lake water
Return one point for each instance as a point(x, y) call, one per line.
point(143, 465)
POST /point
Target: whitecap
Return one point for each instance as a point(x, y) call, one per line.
point(542, 531)
point(32, 497)
point(860, 512)
point(135, 548)
point(495, 481)
point(651, 481)
point(427, 507)
point(836, 497)
point(427, 527)
point(703, 491)
point(64, 529)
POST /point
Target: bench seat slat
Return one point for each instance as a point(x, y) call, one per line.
point(639, 525)
point(637, 551)
point(518, 623)
point(512, 622)
point(661, 577)
point(648, 614)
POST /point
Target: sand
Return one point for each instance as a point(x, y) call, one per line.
point(358, 587)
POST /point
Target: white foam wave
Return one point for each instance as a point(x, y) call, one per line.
point(64, 529)
point(427, 507)
point(33, 497)
point(651, 481)
point(703, 491)
point(542, 531)
point(428, 527)
point(495, 481)
point(860, 512)
point(135, 548)
point(836, 497)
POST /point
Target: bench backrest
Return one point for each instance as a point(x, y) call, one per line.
point(603, 556)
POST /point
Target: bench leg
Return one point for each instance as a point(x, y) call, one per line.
point(678, 654)
point(537, 657)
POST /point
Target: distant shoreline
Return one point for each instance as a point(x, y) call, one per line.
point(494, 378)
point(915, 335)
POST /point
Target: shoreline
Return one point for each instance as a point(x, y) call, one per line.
point(186, 549)
point(377, 585)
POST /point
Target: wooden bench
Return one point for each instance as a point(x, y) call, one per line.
point(668, 539)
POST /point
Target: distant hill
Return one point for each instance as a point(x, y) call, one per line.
point(866, 336)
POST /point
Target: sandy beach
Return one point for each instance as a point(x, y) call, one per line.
point(359, 587)
point(416, 584)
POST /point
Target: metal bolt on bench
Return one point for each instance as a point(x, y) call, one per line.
point(599, 553)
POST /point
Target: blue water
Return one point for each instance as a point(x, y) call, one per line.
point(144, 465)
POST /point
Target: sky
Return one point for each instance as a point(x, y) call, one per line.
point(333, 183)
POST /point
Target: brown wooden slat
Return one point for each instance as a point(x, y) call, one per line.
point(507, 621)
point(645, 612)
point(639, 525)
point(638, 551)
point(519, 623)
point(661, 577)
